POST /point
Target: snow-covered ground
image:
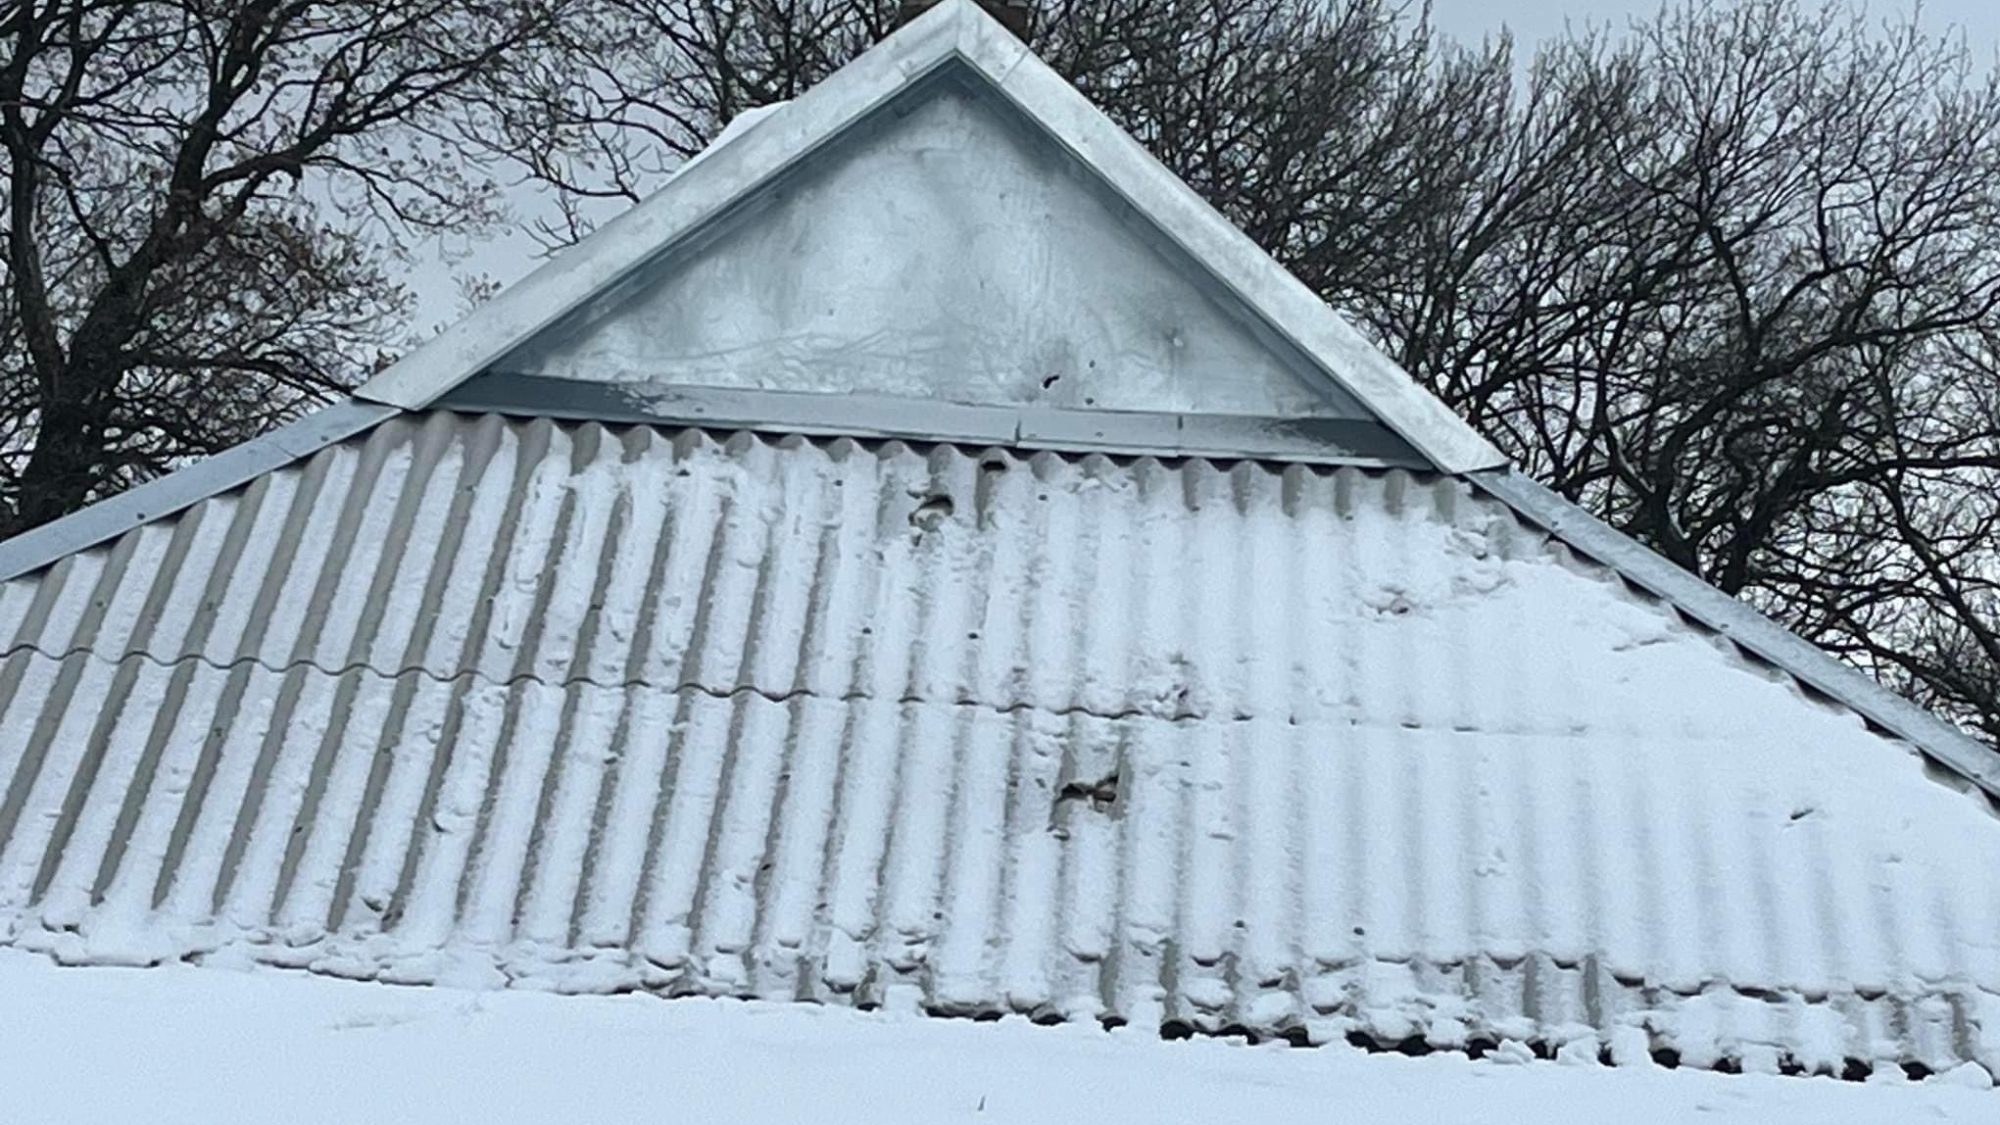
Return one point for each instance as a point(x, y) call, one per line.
point(211, 1046)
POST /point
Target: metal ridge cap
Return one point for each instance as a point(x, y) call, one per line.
point(238, 465)
point(1743, 624)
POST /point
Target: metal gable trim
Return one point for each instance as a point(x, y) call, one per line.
point(38, 547)
point(1325, 441)
point(954, 32)
point(1742, 624)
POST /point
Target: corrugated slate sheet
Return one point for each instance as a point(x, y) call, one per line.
point(1295, 750)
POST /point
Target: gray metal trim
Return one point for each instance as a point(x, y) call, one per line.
point(1319, 441)
point(1742, 624)
point(107, 519)
point(953, 32)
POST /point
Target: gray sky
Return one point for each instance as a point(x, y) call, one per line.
point(1534, 20)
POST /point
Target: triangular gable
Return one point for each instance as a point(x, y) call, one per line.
point(941, 250)
point(943, 219)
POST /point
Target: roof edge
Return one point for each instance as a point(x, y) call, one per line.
point(184, 487)
point(1743, 624)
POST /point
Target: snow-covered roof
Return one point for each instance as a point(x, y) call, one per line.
point(185, 1046)
point(1219, 683)
point(1306, 751)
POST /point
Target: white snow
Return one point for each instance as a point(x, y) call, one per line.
point(729, 717)
point(211, 1046)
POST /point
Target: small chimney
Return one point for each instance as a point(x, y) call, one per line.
point(1017, 16)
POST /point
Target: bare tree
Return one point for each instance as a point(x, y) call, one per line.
point(1263, 105)
point(1748, 319)
point(203, 203)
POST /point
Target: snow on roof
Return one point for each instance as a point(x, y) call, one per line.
point(1296, 719)
point(185, 1046)
point(1310, 752)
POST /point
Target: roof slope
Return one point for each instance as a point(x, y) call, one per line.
point(1300, 750)
point(1334, 742)
point(958, 75)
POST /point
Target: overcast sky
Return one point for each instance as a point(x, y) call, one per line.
point(1533, 20)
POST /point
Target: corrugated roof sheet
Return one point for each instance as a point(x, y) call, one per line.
point(1293, 749)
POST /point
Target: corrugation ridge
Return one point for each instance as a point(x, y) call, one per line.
point(386, 820)
point(540, 509)
point(433, 484)
point(1245, 995)
point(722, 625)
point(253, 858)
point(606, 905)
point(724, 913)
point(188, 882)
point(50, 588)
point(720, 917)
point(1448, 502)
point(428, 831)
point(53, 740)
point(593, 550)
point(962, 970)
point(246, 510)
point(17, 599)
point(311, 872)
point(947, 464)
point(772, 963)
point(92, 582)
point(107, 772)
point(166, 558)
point(300, 610)
point(131, 866)
point(384, 524)
point(226, 621)
point(627, 826)
point(112, 750)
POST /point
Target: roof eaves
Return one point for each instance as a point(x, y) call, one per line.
point(1742, 624)
point(31, 550)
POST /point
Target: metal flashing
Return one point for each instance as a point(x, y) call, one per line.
point(36, 548)
point(1735, 619)
point(1330, 441)
point(953, 34)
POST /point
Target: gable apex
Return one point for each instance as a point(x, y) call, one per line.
point(637, 302)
